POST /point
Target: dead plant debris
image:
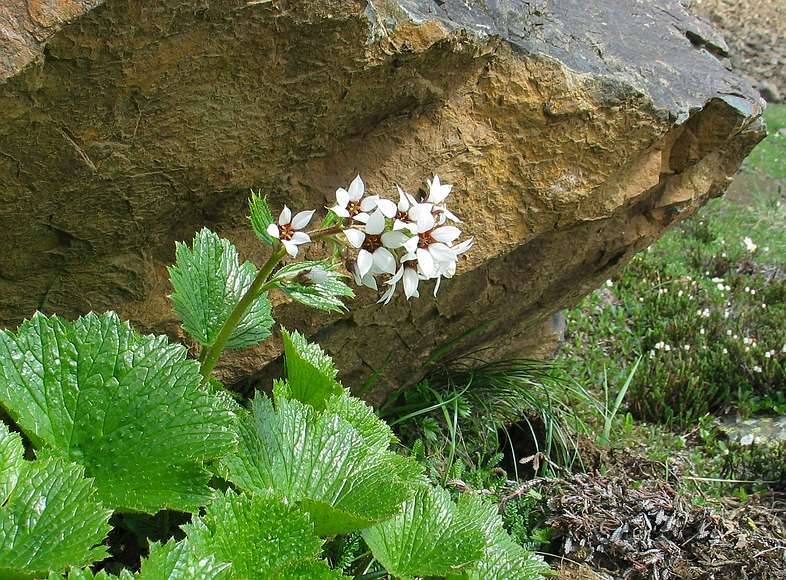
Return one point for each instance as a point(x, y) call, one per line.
point(645, 529)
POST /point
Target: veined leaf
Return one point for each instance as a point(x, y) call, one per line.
point(50, 517)
point(326, 294)
point(261, 217)
point(241, 537)
point(319, 461)
point(432, 536)
point(503, 558)
point(181, 561)
point(311, 376)
point(87, 574)
point(129, 408)
point(209, 281)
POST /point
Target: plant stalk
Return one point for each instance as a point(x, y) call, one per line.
point(214, 351)
point(210, 355)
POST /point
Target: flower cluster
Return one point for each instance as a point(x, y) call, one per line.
point(409, 241)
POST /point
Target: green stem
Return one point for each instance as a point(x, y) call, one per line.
point(214, 351)
point(210, 355)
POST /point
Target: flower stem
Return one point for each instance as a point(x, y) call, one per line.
point(213, 352)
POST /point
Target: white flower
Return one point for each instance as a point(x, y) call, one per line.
point(348, 203)
point(756, 369)
point(749, 245)
point(437, 193)
point(373, 254)
point(609, 284)
point(374, 202)
point(409, 277)
point(448, 269)
point(288, 228)
point(667, 347)
point(725, 351)
point(405, 202)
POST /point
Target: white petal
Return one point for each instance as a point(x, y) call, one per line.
point(463, 246)
point(370, 282)
point(403, 200)
point(272, 230)
point(387, 207)
point(290, 247)
point(436, 286)
point(387, 296)
point(300, 238)
point(342, 197)
point(410, 283)
point(340, 211)
point(446, 234)
point(285, 217)
point(449, 214)
point(393, 280)
point(362, 217)
point(394, 239)
point(355, 237)
point(399, 225)
point(425, 262)
point(369, 203)
point(437, 191)
point(422, 216)
point(365, 262)
point(301, 219)
point(408, 257)
point(358, 277)
point(375, 224)
point(411, 244)
point(384, 261)
point(441, 253)
point(356, 189)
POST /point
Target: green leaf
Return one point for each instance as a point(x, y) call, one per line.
point(261, 217)
point(376, 433)
point(131, 409)
point(319, 461)
point(257, 537)
point(51, 517)
point(325, 295)
point(311, 375)
point(181, 561)
point(503, 558)
point(87, 574)
point(432, 536)
point(209, 281)
point(11, 461)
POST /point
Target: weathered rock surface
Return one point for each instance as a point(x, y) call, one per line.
point(574, 133)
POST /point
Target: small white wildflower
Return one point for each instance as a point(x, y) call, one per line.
point(721, 287)
point(348, 201)
point(757, 369)
point(728, 333)
point(723, 254)
point(609, 284)
point(769, 354)
point(373, 245)
point(686, 347)
point(659, 345)
point(766, 248)
point(736, 337)
point(716, 280)
point(641, 299)
point(753, 292)
point(749, 245)
point(746, 340)
point(747, 349)
point(679, 294)
point(701, 331)
point(725, 351)
point(287, 229)
point(667, 347)
point(763, 305)
point(705, 313)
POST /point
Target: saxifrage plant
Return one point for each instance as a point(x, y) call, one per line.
point(119, 422)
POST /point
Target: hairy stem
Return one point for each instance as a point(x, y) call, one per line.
point(214, 351)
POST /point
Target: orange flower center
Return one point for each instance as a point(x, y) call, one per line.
point(286, 231)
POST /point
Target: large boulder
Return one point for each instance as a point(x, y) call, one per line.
point(575, 132)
